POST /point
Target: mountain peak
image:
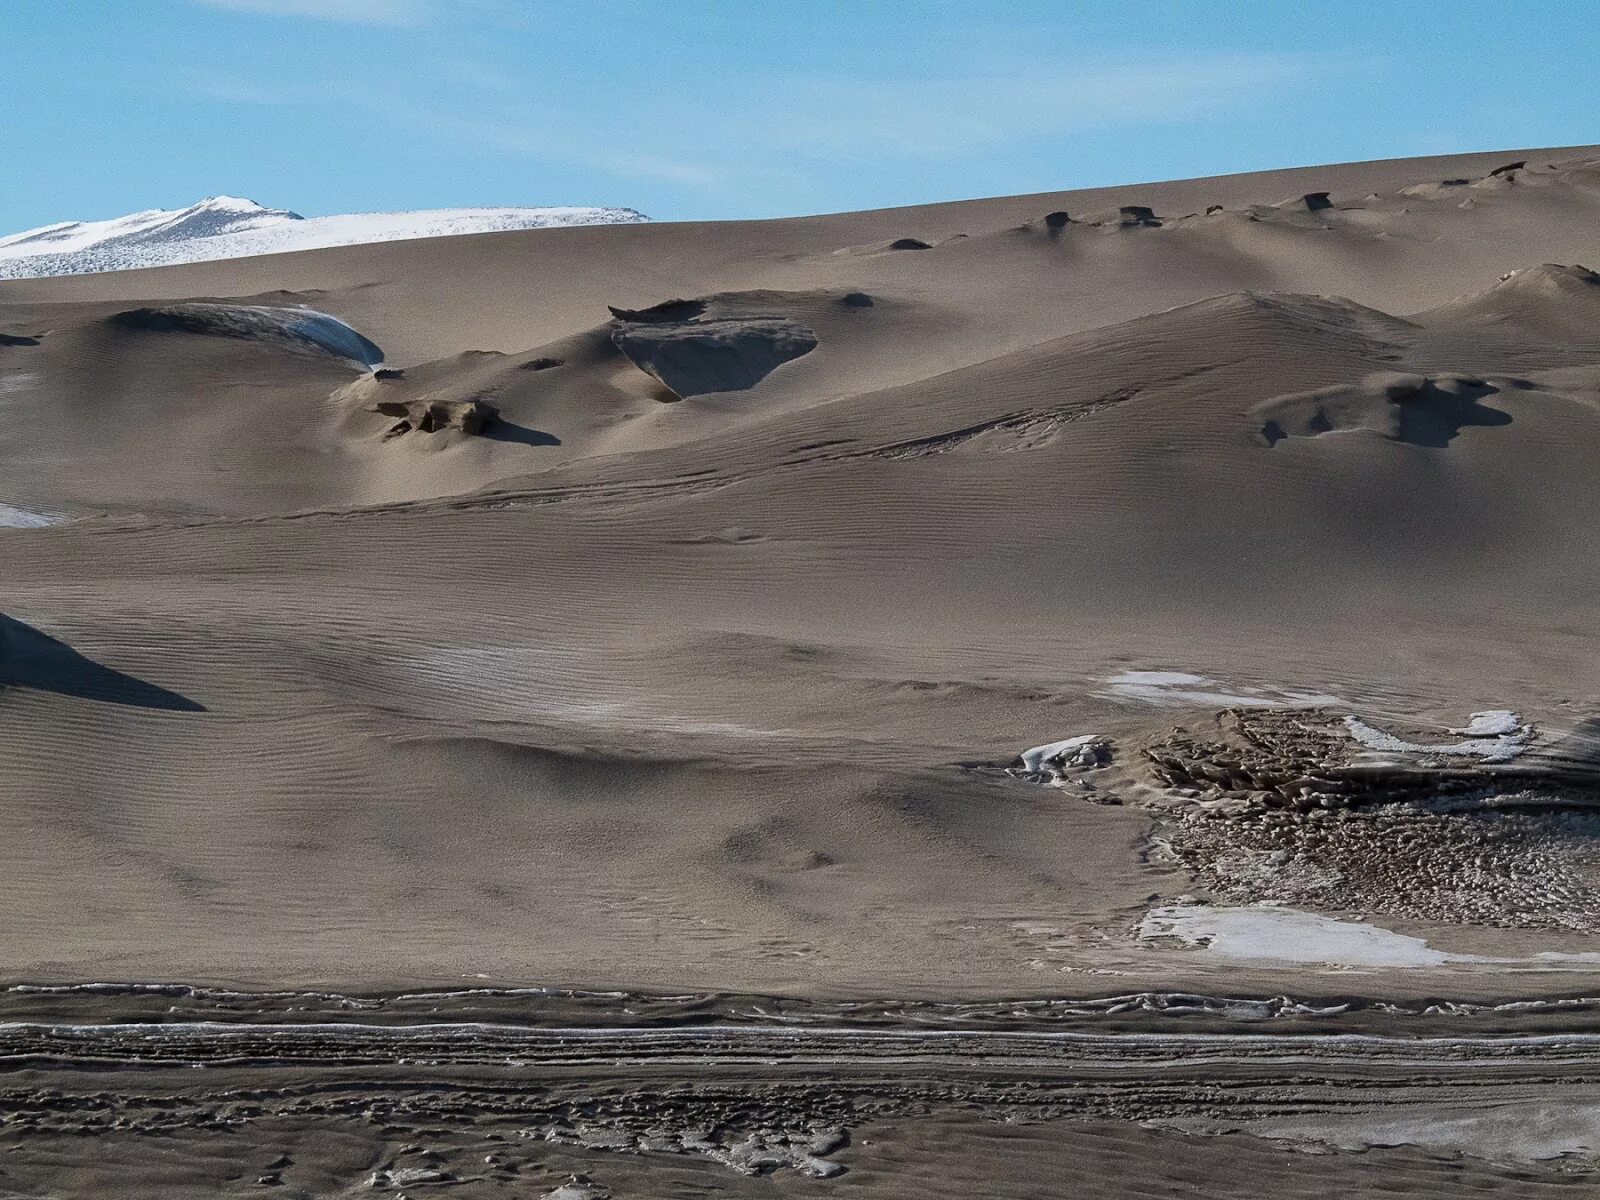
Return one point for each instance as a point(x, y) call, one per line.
point(224, 226)
point(244, 205)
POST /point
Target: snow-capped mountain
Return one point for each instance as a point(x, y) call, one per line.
point(231, 227)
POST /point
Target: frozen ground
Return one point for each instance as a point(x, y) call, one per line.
point(21, 518)
point(1527, 1132)
point(1183, 688)
point(1494, 736)
point(1274, 933)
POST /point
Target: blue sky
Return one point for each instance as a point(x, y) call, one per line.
point(740, 108)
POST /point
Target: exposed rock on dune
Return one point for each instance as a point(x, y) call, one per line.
point(693, 358)
point(1549, 302)
point(1547, 282)
point(435, 416)
point(1125, 216)
point(1433, 190)
point(1307, 758)
point(1416, 409)
point(666, 311)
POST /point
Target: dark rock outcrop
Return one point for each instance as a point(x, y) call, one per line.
point(427, 415)
point(667, 310)
point(728, 354)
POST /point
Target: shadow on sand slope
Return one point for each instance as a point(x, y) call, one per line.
point(31, 659)
point(1429, 411)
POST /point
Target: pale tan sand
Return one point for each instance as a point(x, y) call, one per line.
point(671, 693)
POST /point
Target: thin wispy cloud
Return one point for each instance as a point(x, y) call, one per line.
point(534, 139)
point(669, 170)
point(944, 118)
point(786, 123)
point(781, 136)
point(355, 12)
point(226, 90)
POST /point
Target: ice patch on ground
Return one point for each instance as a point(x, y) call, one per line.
point(1493, 736)
point(1529, 1132)
point(1273, 933)
point(334, 336)
point(1493, 723)
point(297, 328)
point(568, 686)
point(1288, 935)
point(1180, 688)
point(1086, 751)
point(21, 518)
point(579, 1187)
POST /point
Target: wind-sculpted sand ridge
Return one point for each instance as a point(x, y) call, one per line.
point(297, 329)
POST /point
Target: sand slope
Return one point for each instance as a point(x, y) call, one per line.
point(665, 675)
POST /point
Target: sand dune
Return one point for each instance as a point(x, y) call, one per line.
point(634, 621)
point(1069, 687)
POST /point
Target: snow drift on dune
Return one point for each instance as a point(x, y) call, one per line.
point(231, 227)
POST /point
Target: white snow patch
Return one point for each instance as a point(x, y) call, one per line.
point(1275, 933)
point(233, 227)
point(1525, 1132)
point(1288, 935)
point(1085, 750)
point(568, 686)
point(1493, 723)
point(578, 1188)
point(1177, 688)
point(21, 518)
point(1156, 679)
point(1494, 736)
